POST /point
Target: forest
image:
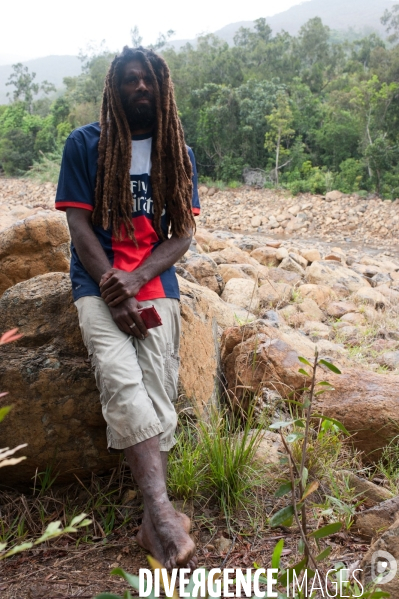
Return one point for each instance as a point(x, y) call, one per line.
point(314, 112)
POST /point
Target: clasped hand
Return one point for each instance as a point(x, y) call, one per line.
point(118, 289)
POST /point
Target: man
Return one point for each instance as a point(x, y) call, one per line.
point(126, 183)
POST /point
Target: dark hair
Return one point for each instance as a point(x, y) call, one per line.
point(171, 169)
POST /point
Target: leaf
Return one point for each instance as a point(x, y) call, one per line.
point(336, 422)
point(282, 424)
point(304, 361)
point(283, 489)
point(130, 578)
point(311, 488)
point(379, 594)
point(301, 546)
point(305, 475)
point(283, 517)
point(326, 531)
point(302, 371)
point(324, 384)
point(292, 437)
point(17, 549)
point(277, 554)
point(4, 411)
point(324, 554)
point(78, 519)
point(330, 366)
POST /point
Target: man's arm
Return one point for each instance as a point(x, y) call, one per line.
point(96, 263)
point(118, 285)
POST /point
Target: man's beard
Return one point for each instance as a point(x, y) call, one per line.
point(139, 116)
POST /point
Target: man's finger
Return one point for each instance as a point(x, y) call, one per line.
point(139, 323)
point(117, 296)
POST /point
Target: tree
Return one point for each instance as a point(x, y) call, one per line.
point(279, 121)
point(390, 19)
point(25, 88)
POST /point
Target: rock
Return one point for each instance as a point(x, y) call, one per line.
point(243, 271)
point(222, 545)
point(34, 246)
point(367, 404)
point(380, 278)
point(209, 302)
point(366, 491)
point(205, 271)
point(182, 272)
point(299, 259)
point(279, 275)
point(292, 266)
point(202, 190)
point(294, 210)
point(233, 255)
point(273, 318)
point(332, 196)
point(242, 292)
point(211, 191)
point(281, 253)
point(310, 309)
point(390, 359)
point(274, 294)
point(321, 294)
point(339, 309)
point(384, 551)
point(353, 318)
point(367, 295)
point(316, 330)
point(266, 256)
point(376, 519)
point(256, 221)
point(270, 449)
point(331, 273)
point(56, 407)
point(311, 255)
point(333, 256)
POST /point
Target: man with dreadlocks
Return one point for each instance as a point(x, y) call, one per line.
point(129, 188)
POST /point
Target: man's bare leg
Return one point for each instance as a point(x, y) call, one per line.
point(171, 545)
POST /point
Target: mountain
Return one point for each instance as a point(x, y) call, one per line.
point(339, 15)
point(52, 68)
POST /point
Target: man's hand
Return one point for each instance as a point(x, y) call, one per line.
point(128, 319)
point(117, 286)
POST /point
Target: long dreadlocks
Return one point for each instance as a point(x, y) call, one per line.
point(171, 169)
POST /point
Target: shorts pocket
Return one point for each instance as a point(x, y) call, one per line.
point(171, 372)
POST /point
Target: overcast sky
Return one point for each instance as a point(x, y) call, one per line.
point(35, 28)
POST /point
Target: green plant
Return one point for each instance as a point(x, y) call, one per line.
point(46, 169)
point(187, 469)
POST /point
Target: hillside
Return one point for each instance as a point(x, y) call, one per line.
point(339, 15)
point(52, 68)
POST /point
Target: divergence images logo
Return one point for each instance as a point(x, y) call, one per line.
point(383, 567)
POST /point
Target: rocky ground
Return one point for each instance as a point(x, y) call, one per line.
point(279, 277)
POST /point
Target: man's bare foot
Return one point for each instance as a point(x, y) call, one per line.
point(149, 540)
point(178, 546)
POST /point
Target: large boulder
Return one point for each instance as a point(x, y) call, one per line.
point(241, 292)
point(367, 403)
point(331, 273)
point(376, 519)
point(56, 406)
point(205, 271)
point(34, 246)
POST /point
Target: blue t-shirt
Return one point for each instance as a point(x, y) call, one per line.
point(76, 187)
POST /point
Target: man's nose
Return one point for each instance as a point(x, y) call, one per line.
point(142, 86)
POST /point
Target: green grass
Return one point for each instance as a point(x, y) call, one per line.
point(46, 169)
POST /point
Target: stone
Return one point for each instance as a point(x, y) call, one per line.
point(390, 359)
point(209, 302)
point(321, 294)
point(367, 404)
point(330, 273)
point(376, 519)
point(353, 318)
point(256, 221)
point(265, 255)
point(367, 295)
point(316, 330)
point(311, 255)
point(202, 190)
point(388, 546)
point(56, 406)
point(366, 491)
point(242, 292)
point(233, 255)
point(281, 253)
point(211, 191)
point(274, 294)
point(279, 275)
point(339, 309)
point(310, 309)
point(273, 318)
point(332, 196)
point(270, 449)
point(292, 266)
point(205, 271)
point(294, 210)
point(299, 259)
point(243, 271)
point(222, 545)
point(380, 278)
point(182, 272)
point(34, 246)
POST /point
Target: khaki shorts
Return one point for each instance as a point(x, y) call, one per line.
point(137, 379)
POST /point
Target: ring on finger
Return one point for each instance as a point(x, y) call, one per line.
point(131, 326)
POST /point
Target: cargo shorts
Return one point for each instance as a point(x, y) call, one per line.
point(137, 379)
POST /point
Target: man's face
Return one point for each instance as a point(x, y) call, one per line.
point(137, 96)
